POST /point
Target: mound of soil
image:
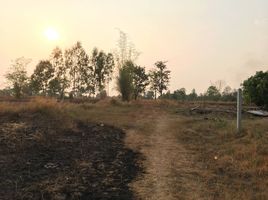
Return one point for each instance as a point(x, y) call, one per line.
point(39, 161)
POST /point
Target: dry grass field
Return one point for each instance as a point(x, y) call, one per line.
point(136, 150)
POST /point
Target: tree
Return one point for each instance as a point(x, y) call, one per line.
point(125, 50)
point(228, 94)
point(192, 95)
point(227, 91)
point(40, 79)
point(60, 83)
point(160, 78)
point(213, 93)
point(154, 80)
point(55, 88)
point(17, 76)
point(125, 56)
point(219, 84)
point(140, 80)
point(168, 95)
point(80, 72)
point(6, 92)
point(125, 81)
point(103, 66)
point(149, 95)
point(255, 89)
point(180, 94)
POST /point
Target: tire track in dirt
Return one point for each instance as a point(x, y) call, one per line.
point(170, 172)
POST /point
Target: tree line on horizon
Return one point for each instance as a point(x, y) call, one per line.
point(213, 93)
point(255, 90)
point(74, 73)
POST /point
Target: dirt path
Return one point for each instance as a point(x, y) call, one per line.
point(170, 172)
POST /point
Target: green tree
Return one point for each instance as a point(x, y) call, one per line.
point(60, 82)
point(159, 78)
point(180, 94)
point(149, 95)
point(192, 95)
point(228, 94)
point(103, 66)
point(213, 93)
point(125, 56)
point(80, 72)
point(41, 77)
point(154, 80)
point(55, 88)
point(168, 95)
point(255, 89)
point(140, 81)
point(6, 92)
point(125, 81)
point(17, 76)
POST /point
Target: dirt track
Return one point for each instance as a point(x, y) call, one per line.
point(170, 172)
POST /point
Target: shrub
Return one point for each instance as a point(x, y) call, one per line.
point(255, 89)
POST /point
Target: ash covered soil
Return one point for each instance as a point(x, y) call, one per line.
point(40, 160)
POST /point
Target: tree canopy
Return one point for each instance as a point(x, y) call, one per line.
point(160, 78)
point(103, 67)
point(255, 89)
point(41, 77)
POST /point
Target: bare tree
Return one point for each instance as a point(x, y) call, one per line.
point(125, 51)
point(219, 84)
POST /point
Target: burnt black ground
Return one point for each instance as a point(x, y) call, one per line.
point(40, 161)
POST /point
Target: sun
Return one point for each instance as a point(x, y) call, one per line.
point(51, 34)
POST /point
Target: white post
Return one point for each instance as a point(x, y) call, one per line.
point(239, 110)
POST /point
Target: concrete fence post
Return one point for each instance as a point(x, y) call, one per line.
point(239, 110)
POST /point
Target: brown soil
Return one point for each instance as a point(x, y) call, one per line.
point(40, 161)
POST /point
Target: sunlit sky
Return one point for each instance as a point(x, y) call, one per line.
point(202, 40)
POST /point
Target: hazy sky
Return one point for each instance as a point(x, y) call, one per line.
point(202, 40)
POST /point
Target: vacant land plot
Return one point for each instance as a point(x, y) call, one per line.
point(159, 150)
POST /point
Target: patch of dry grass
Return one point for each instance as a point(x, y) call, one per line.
point(45, 111)
point(234, 166)
point(33, 105)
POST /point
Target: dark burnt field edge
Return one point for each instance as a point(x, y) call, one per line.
point(44, 154)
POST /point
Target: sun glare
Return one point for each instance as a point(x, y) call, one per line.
point(51, 34)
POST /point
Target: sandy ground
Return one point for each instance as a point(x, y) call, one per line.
point(170, 172)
